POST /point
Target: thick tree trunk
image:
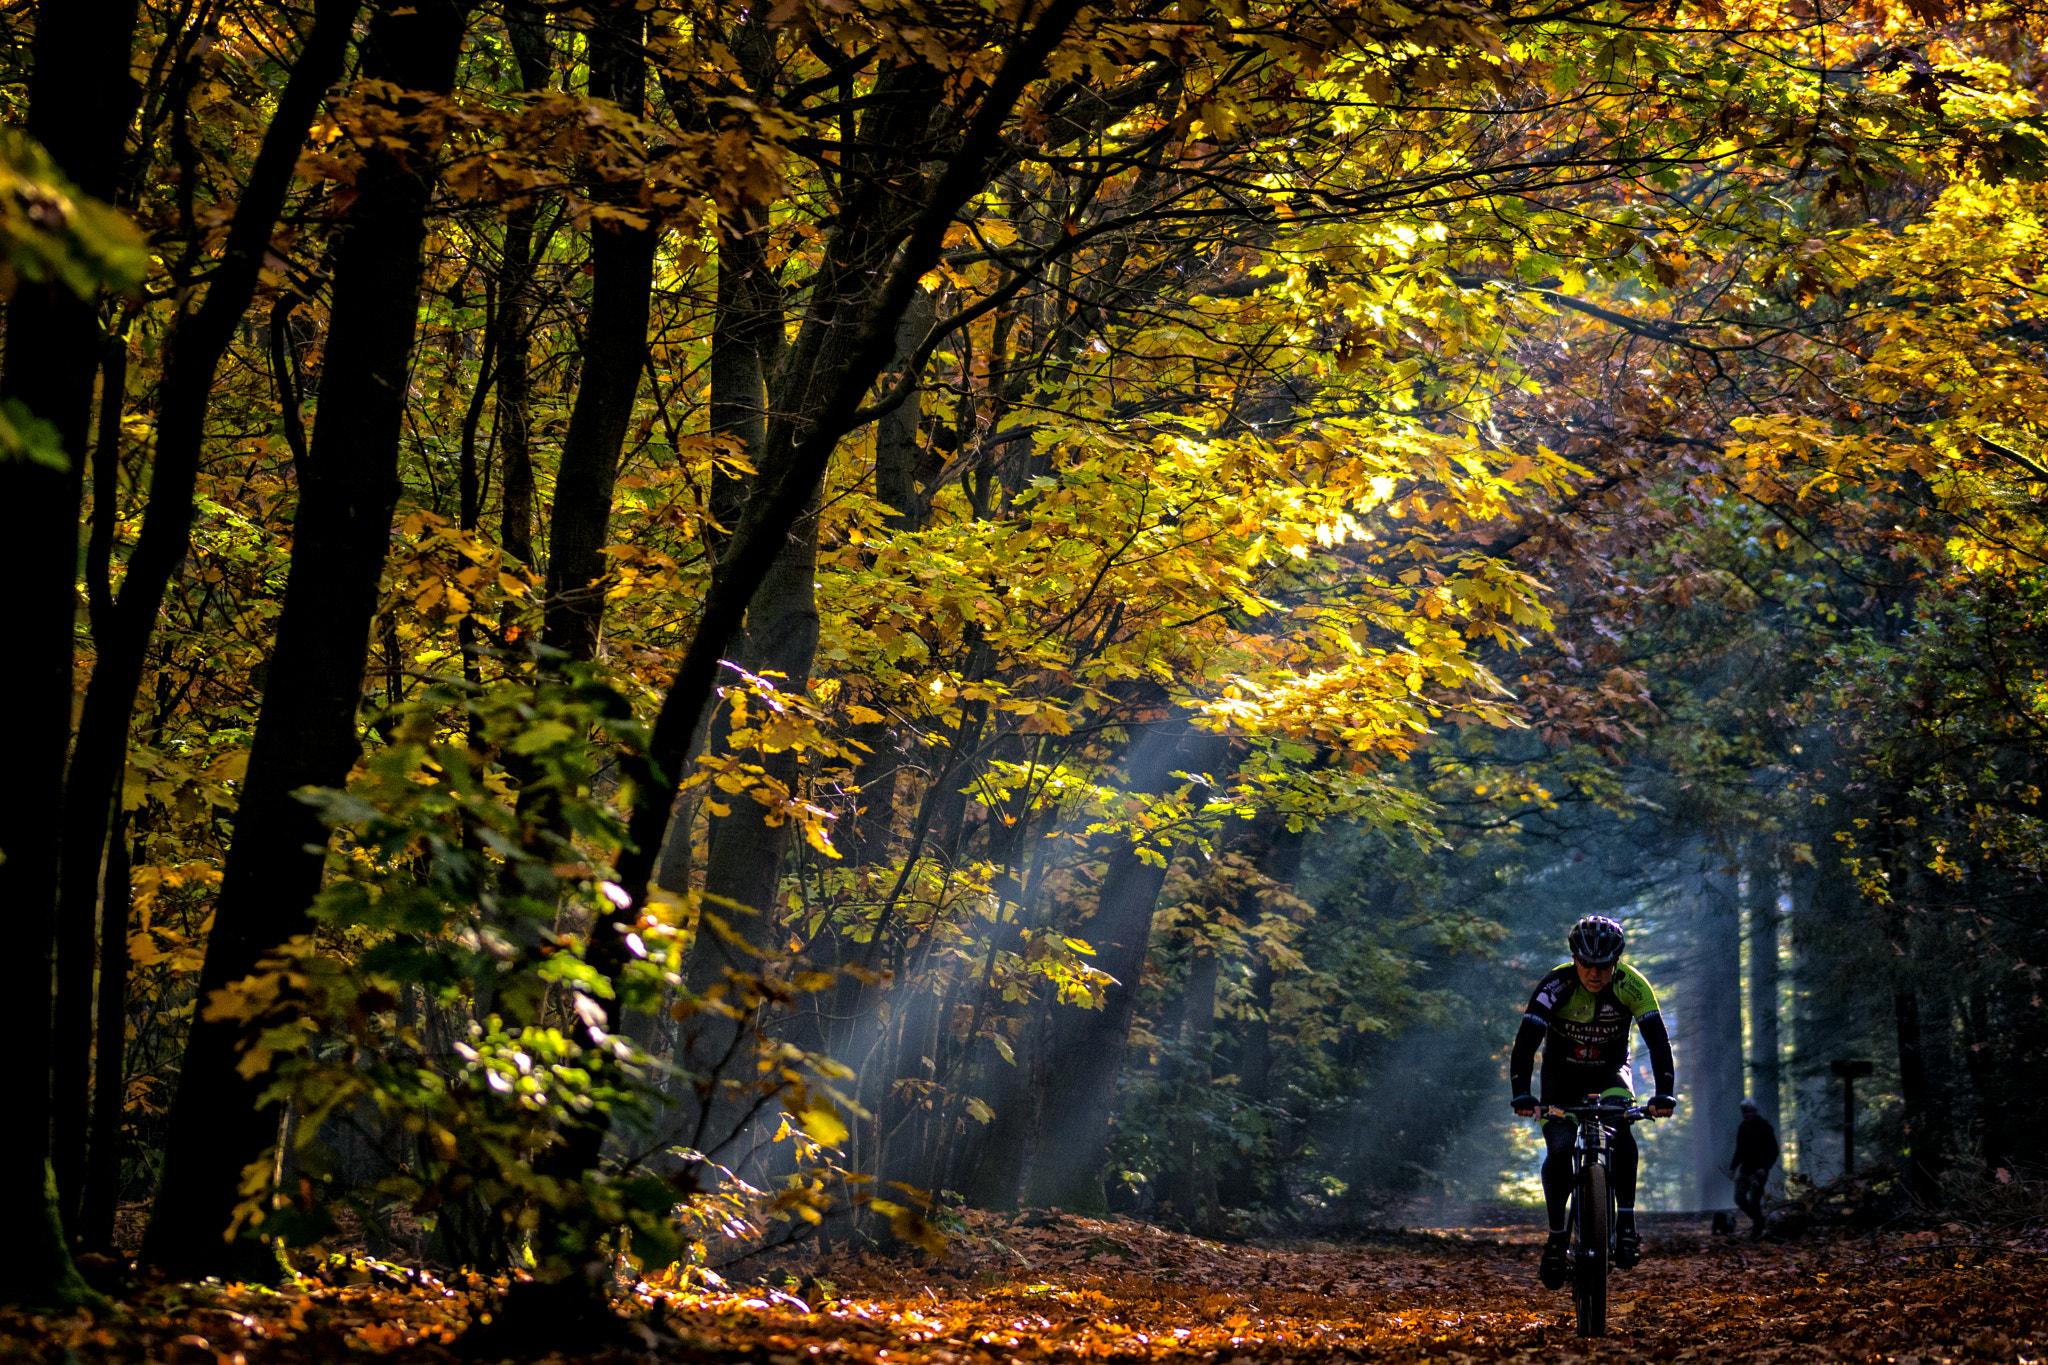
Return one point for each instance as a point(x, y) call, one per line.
point(123, 627)
point(306, 732)
point(80, 98)
point(1074, 1119)
point(1715, 1058)
point(1766, 1080)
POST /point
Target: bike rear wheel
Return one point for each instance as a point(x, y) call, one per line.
point(1589, 1254)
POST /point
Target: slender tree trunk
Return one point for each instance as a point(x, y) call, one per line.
point(306, 732)
point(515, 313)
point(514, 399)
point(80, 98)
point(1764, 1069)
point(77, 919)
point(614, 356)
point(1238, 1178)
point(743, 861)
point(1716, 1033)
point(95, 1228)
point(1923, 1157)
point(746, 340)
point(1191, 1188)
point(1989, 1077)
point(1238, 1184)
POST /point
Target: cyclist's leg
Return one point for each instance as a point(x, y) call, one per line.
point(1557, 1171)
point(1557, 1190)
point(1624, 1162)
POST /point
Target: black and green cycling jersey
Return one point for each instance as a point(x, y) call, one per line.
point(1586, 1037)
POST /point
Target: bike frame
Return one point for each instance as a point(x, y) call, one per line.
point(1592, 1231)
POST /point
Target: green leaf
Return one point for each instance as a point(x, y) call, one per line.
point(25, 436)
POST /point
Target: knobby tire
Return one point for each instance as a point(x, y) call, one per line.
point(1589, 1258)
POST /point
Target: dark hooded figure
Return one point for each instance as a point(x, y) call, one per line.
point(1756, 1151)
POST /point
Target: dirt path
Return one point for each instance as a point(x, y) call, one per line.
point(1123, 1290)
point(1074, 1290)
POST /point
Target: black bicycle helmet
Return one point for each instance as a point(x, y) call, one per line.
point(1597, 941)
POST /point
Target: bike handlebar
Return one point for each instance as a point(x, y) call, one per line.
point(1638, 1113)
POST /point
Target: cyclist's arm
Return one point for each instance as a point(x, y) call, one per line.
point(1555, 985)
point(1659, 1041)
point(1522, 1062)
point(1634, 991)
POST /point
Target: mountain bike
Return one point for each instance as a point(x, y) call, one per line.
point(1590, 1218)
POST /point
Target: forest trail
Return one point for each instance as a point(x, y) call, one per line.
point(1122, 1291)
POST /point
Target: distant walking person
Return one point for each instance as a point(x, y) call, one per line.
point(1756, 1151)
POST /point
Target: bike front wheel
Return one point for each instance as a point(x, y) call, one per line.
point(1589, 1255)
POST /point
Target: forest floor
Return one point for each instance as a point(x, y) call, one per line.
point(1057, 1290)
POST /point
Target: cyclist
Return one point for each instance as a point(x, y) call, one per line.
point(1582, 1014)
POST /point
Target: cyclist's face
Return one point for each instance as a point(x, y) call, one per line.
point(1594, 978)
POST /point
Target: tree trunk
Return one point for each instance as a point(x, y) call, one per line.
point(80, 98)
point(614, 355)
point(1074, 1120)
point(1715, 1058)
point(746, 337)
point(1191, 1188)
point(306, 731)
point(1238, 1183)
point(1986, 1059)
point(123, 627)
point(515, 321)
point(1923, 1156)
point(102, 1196)
point(78, 914)
point(1764, 1068)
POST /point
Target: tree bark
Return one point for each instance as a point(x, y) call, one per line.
point(1715, 1060)
point(1766, 1080)
point(614, 355)
point(306, 731)
point(1923, 1157)
point(80, 98)
point(107, 1145)
point(77, 915)
point(1191, 1189)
